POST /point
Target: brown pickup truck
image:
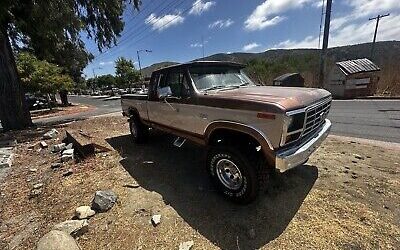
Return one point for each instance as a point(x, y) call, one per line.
point(249, 130)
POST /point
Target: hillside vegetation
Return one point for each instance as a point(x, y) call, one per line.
point(265, 66)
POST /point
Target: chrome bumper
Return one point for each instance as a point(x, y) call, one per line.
point(293, 157)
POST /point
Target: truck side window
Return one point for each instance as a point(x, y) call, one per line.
point(161, 81)
point(178, 84)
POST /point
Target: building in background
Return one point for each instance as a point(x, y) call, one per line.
point(353, 78)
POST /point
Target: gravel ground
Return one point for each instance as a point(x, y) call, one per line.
point(345, 197)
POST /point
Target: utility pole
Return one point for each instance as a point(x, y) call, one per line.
point(325, 41)
point(377, 18)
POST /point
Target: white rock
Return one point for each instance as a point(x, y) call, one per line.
point(33, 169)
point(58, 147)
point(57, 240)
point(35, 193)
point(37, 185)
point(51, 134)
point(68, 152)
point(84, 212)
point(359, 157)
point(156, 219)
point(186, 245)
point(69, 146)
point(43, 144)
point(68, 172)
point(66, 157)
point(72, 227)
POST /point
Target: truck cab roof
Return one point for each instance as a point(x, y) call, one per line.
point(200, 63)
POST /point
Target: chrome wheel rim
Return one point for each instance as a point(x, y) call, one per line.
point(229, 174)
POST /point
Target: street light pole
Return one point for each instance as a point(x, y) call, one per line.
point(138, 57)
point(140, 67)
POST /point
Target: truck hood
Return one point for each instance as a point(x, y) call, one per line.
point(288, 98)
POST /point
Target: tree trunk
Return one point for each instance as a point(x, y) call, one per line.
point(64, 97)
point(14, 112)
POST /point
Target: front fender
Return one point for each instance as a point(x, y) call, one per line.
point(255, 133)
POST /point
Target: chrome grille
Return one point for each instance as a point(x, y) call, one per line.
point(315, 116)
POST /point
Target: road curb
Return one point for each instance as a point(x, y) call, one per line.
point(378, 98)
point(383, 144)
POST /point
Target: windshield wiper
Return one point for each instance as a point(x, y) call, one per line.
point(216, 87)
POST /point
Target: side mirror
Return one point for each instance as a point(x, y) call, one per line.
point(164, 92)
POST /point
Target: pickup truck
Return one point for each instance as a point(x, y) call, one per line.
point(249, 130)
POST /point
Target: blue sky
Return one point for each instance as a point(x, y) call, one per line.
point(174, 29)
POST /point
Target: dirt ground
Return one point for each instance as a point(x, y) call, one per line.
point(60, 111)
point(335, 201)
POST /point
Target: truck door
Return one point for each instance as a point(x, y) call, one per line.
point(173, 111)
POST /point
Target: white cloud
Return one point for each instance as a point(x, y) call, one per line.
point(351, 33)
point(317, 4)
point(221, 24)
point(162, 22)
point(362, 8)
point(267, 13)
point(308, 42)
point(196, 45)
point(250, 46)
point(106, 63)
point(199, 7)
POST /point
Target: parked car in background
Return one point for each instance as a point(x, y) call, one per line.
point(36, 102)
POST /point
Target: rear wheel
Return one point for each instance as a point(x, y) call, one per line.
point(139, 131)
point(232, 174)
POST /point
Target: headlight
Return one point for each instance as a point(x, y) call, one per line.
point(293, 124)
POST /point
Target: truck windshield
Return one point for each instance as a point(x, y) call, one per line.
point(212, 78)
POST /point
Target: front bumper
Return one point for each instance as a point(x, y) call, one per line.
point(292, 157)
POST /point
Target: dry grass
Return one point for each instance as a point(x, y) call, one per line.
point(61, 111)
point(330, 203)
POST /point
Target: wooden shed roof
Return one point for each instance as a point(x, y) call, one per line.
point(357, 66)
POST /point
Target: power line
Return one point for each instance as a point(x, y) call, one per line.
point(144, 36)
point(153, 18)
point(130, 33)
point(172, 5)
point(152, 32)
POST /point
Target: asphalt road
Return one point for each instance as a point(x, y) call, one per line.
point(102, 107)
point(370, 119)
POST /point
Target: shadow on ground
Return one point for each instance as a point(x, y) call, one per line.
point(179, 175)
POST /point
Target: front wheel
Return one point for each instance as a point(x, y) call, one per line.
point(233, 175)
point(139, 131)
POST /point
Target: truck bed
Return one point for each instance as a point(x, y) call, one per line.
point(137, 102)
point(135, 96)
